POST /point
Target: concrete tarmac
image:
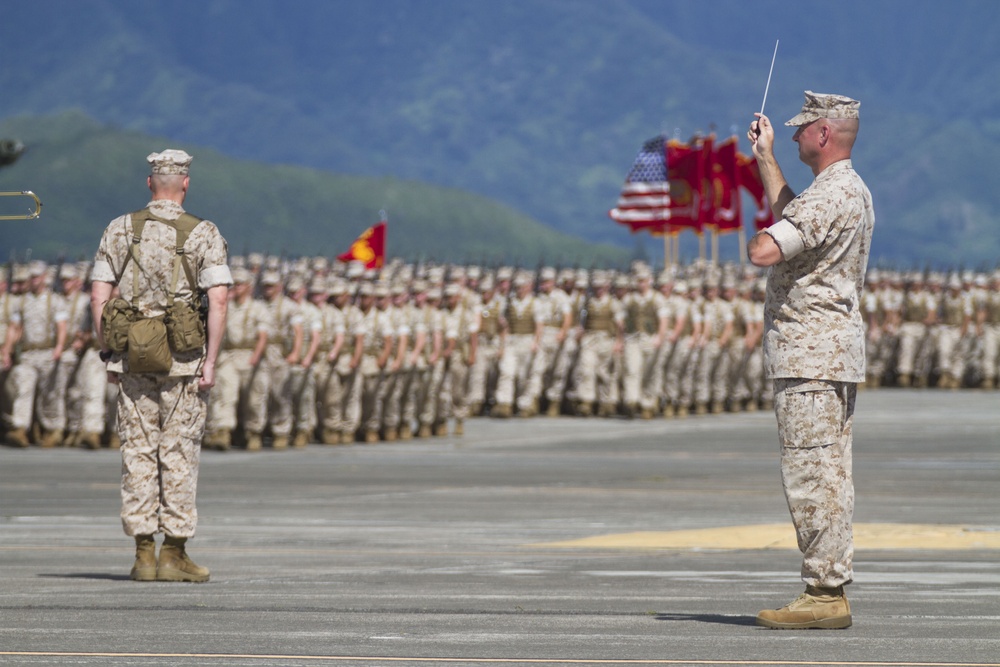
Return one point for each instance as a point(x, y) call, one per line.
point(483, 549)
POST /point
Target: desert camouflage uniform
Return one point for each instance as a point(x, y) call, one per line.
point(952, 341)
point(86, 385)
point(284, 350)
point(38, 380)
point(916, 336)
point(601, 340)
point(522, 362)
point(680, 372)
point(397, 368)
point(483, 374)
point(460, 336)
point(161, 417)
point(303, 376)
point(557, 347)
point(816, 356)
point(989, 317)
point(239, 397)
point(376, 329)
point(712, 373)
point(341, 392)
point(645, 332)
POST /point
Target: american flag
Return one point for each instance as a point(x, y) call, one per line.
point(644, 201)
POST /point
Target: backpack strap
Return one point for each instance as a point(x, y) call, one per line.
point(183, 227)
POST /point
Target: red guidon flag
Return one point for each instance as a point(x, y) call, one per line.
point(684, 170)
point(750, 180)
point(724, 175)
point(369, 248)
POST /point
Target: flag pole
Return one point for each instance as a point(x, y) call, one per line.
point(743, 244)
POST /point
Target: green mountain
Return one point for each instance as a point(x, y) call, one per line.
point(86, 174)
point(539, 104)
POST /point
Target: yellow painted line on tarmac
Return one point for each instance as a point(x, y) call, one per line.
point(488, 661)
point(781, 536)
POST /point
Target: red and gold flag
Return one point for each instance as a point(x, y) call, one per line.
point(724, 177)
point(684, 171)
point(749, 175)
point(369, 248)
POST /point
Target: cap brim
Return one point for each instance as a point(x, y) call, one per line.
point(802, 118)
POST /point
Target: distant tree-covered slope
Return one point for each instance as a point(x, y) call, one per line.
point(86, 174)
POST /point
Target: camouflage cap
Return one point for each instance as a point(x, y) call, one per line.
point(337, 286)
point(241, 275)
point(318, 285)
point(270, 277)
point(822, 105)
point(37, 268)
point(68, 272)
point(170, 161)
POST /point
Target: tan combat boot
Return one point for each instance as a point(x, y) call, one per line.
point(175, 565)
point(254, 442)
point(585, 409)
point(50, 439)
point(371, 436)
point(425, 431)
point(441, 429)
point(553, 410)
point(501, 411)
point(347, 438)
point(144, 568)
point(817, 608)
point(279, 442)
point(391, 435)
point(459, 427)
point(17, 437)
point(669, 412)
point(406, 432)
point(114, 441)
point(301, 440)
point(331, 437)
point(89, 440)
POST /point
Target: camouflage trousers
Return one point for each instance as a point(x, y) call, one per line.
point(642, 371)
point(85, 406)
point(595, 369)
point(38, 389)
point(520, 372)
point(239, 397)
point(161, 421)
point(815, 420)
point(483, 374)
point(558, 361)
point(916, 349)
point(678, 378)
point(280, 411)
point(952, 350)
point(711, 377)
point(452, 399)
point(991, 351)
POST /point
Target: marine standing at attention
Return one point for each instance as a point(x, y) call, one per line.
point(163, 354)
point(814, 343)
